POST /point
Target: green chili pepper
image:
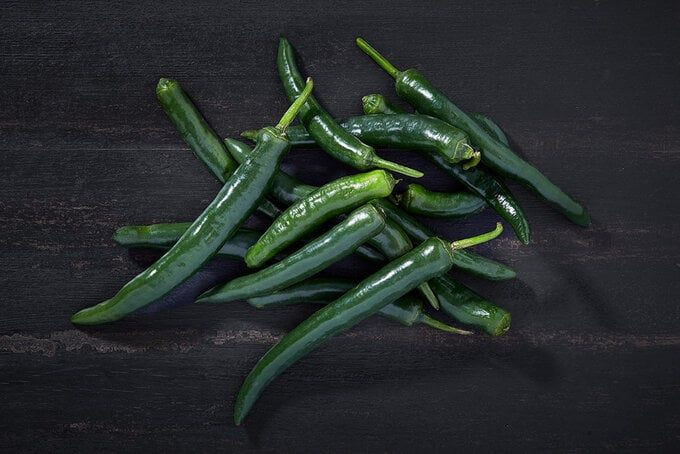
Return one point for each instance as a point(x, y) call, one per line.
point(496, 194)
point(410, 131)
point(415, 89)
point(218, 222)
point(407, 310)
point(376, 104)
point(198, 134)
point(418, 200)
point(327, 133)
point(162, 236)
point(391, 242)
point(466, 306)
point(430, 259)
point(317, 255)
point(306, 214)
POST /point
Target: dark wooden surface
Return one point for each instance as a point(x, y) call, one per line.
point(589, 91)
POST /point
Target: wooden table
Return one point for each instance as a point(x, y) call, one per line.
point(588, 91)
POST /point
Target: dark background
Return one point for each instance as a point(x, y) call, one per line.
point(588, 91)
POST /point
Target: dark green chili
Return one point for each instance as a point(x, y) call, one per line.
point(330, 200)
point(218, 222)
point(407, 310)
point(162, 236)
point(409, 131)
point(415, 89)
point(428, 260)
point(418, 200)
point(288, 189)
point(496, 194)
point(327, 133)
point(466, 306)
point(315, 256)
point(376, 103)
point(198, 134)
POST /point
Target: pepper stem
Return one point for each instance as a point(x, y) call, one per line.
point(379, 59)
point(475, 159)
point(436, 324)
point(373, 104)
point(479, 239)
point(292, 111)
point(394, 167)
point(250, 134)
point(429, 295)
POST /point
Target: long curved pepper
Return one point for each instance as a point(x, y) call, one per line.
point(430, 259)
point(415, 89)
point(241, 193)
point(327, 133)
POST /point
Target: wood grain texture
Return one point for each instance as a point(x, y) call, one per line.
point(588, 91)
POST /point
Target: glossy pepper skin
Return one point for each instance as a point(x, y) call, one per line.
point(414, 88)
point(496, 194)
point(198, 134)
point(308, 213)
point(376, 103)
point(466, 306)
point(408, 131)
point(430, 259)
point(163, 236)
point(407, 310)
point(288, 189)
point(243, 190)
point(323, 128)
point(418, 200)
point(315, 256)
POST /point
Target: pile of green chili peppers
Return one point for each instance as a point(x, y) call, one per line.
point(367, 217)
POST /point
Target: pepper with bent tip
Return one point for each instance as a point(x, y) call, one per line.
point(219, 221)
point(323, 128)
point(428, 260)
point(415, 89)
point(407, 310)
point(317, 255)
